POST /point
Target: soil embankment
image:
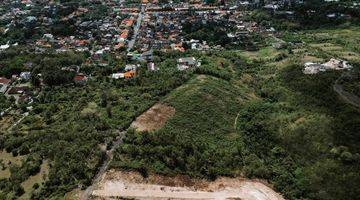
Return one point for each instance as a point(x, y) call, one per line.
point(118, 184)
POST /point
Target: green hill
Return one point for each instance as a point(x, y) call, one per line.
point(268, 120)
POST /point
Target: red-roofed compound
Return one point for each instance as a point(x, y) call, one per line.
point(4, 81)
point(80, 79)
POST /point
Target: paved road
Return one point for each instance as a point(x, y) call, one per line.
point(136, 28)
point(109, 155)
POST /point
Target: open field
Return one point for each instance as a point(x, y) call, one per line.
point(133, 185)
point(7, 160)
point(39, 178)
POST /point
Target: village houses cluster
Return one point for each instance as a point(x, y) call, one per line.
point(114, 26)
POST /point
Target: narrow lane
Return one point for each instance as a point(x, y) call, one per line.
point(109, 155)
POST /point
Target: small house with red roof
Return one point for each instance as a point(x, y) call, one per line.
point(80, 79)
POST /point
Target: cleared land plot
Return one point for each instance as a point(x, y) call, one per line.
point(7, 160)
point(267, 53)
point(133, 185)
point(337, 50)
point(154, 118)
point(6, 122)
point(39, 178)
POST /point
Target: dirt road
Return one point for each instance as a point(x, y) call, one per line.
point(109, 154)
point(118, 184)
point(346, 96)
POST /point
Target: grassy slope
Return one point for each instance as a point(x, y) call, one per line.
point(201, 131)
point(295, 131)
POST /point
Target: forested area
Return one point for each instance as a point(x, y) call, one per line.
point(25, 30)
point(351, 81)
point(4, 102)
point(301, 16)
point(69, 124)
point(247, 111)
point(216, 33)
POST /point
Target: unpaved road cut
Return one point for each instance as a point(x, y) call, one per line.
point(117, 184)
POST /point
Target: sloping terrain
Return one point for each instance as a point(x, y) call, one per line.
point(265, 120)
point(200, 132)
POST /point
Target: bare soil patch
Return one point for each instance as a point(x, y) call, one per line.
point(154, 118)
point(310, 58)
point(133, 185)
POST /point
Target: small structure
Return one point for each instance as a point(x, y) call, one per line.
point(130, 74)
point(148, 55)
point(117, 76)
point(131, 67)
point(3, 88)
point(151, 67)
point(4, 47)
point(25, 76)
point(187, 62)
point(80, 79)
point(333, 64)
point(336, 64)
point(5, 81)
point(4, 84)
point(313, 68)
point(18, 90)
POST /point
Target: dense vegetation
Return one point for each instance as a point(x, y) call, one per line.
point(69, 123)
point(241, 113)
point(4, 102)
point(265, 120)
point(301, 16)
point(351, 81)
point(216, 33)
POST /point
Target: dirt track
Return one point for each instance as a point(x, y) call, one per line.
point(118, 184)
point(347, 97)
point(89, 190)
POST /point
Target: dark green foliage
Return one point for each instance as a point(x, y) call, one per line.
point(194, 139)
point(68, 124)
point(297, 133)
point(214, 33)
point(351, 81)
point(4, 102)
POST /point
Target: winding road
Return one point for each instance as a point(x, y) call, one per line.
point(346, 96)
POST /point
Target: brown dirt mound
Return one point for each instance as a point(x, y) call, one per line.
point(154, 118)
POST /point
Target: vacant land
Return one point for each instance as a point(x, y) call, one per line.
point(133, 185)
point(7, 159)
point(37, 179)
point(154, 118)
